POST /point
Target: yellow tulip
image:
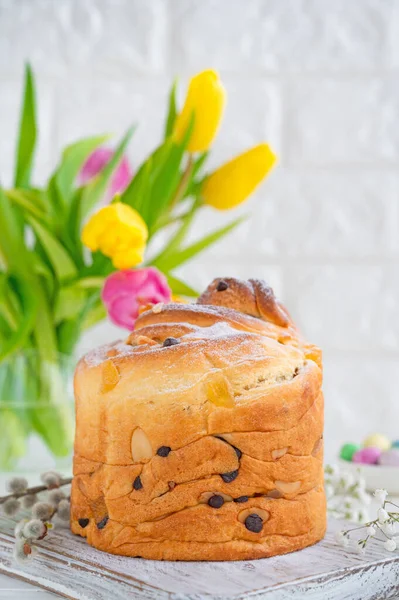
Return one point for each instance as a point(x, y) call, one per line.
point(119, 232)
point(205, 100)
point(234, 181)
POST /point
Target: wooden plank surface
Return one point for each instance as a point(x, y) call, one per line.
point(71, 568)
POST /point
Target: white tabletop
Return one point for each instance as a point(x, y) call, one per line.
point(13, 589)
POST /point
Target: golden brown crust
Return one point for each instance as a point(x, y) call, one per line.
point(233, 410)
point(253, 297)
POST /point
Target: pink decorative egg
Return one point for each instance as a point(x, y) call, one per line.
point(367, 456)
point(390, 458)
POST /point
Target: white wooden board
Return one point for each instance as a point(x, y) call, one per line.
point(71, 568)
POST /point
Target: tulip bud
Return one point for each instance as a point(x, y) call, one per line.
point(205, 103)
point(234, 181)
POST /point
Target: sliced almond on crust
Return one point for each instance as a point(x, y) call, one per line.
point(278, 453)
point(141, 446)
point(227, 436)
point(288, 487)
point(317, 447)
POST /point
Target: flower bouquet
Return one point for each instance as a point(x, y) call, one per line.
point(69, 250)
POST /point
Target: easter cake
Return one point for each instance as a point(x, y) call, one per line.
point(201, 436)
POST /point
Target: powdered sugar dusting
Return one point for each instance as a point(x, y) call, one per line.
point(96, 356)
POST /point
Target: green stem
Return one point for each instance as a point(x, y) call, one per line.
point(184, 181)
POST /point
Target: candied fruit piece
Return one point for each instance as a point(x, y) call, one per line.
point(218, 391)
point(110, 375)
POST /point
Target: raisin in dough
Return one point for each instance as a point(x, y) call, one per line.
point(201, 436)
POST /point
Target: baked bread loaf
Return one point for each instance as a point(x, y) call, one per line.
point(201, 436)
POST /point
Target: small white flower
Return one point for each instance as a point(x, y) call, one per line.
point(342, 539)
point(51, 479)
point(361, 482)
point(382, 515)
point(349, 502)
point(380, 495)
point(35, 529)
point(363, 497)
point(329, 489)
point(64, 510)
point(332, 469)
point(11, 507)
point(353, 516)
point(390, 545)
point(388, 528)
point(371, 530)
point(42, 511)
point(17, 485)
point(347, 479)
point(364, 515)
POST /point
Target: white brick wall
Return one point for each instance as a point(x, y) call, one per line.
point(316, 78)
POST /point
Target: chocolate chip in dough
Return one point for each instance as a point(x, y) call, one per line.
point(229, 477)
point(222, 286)
point(170, 341)
point(241, 499)
point(254, 523)
point(137, 483)
point(216, 501)
point(164, 451)
point(83, 523)
point(102, 523)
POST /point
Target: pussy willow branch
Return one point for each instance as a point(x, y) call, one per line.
point(34, 490)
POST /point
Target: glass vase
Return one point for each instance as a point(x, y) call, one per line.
point(36, 412)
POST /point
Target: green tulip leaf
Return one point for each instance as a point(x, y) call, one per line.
point(172, 111)
point(27, 132)
point(171, 261)
point(27, 316)
point(94, 315)
point(29, 201)
point(13, 252)
point(58, 256)
point(73, 158)
point(180, 288)
point(69, 303)
point(152, 190)
point(12, 439)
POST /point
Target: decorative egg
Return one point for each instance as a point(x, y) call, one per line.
point(367, 456)
point(377, 440)
point(348, 450)
point(395, 444)
point(389, 458)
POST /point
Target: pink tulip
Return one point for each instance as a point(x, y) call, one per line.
point(124, 292)
point(96, 163)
